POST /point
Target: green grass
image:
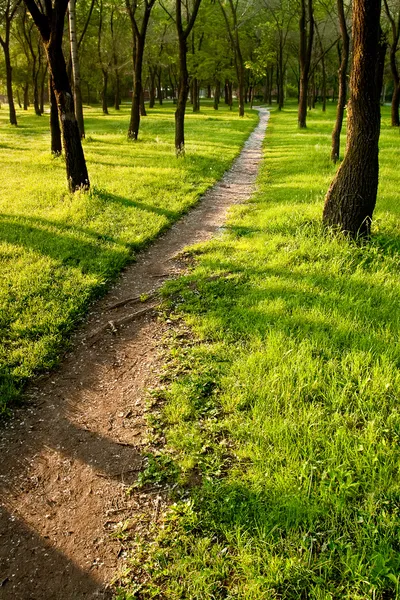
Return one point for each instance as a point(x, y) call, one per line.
point(59, 251)
point(281, 416)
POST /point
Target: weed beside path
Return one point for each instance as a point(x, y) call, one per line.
point(281, 415)
point(59, 251)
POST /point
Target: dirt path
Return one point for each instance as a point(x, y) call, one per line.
point(69, 455)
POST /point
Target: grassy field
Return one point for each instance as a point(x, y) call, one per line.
point(58, 251)
point(281, 406)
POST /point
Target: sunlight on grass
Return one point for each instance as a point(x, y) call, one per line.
point(59, 250)
point(285, 406)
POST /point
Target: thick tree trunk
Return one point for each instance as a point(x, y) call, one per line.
point(77, 174)
point(217, 94)
point(76, 74)
point(342, 77)
point(351, 198)
point(55, 130)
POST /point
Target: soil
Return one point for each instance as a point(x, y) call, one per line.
point(71, 452)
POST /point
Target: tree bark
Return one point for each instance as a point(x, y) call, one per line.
point(139, 35)
point(393, 65)
point(217, 94)
point(55, 130)
point(196, 98)
point(26, 95)
point(104, 92)
point(51, 26)
point(76, 74)
point(5, 43)
point(351, 198)
point(342, 77)
point(306, 43)
point(183, 89)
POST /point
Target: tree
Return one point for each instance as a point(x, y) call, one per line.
point(351, 198)
point(183, 90)
point(139, 35)
point(306, 24)
point(76, 73)
point(50, 23)
point(395, 27)
point(232, 26)
point(8, 9)
point(342, 77)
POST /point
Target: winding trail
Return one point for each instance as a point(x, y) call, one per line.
point(69, 454)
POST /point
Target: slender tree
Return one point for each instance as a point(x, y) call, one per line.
point(342, 77)
point(394, 46)
point(183, 90)
point(50, 22)
point(139, 34)
point(306, 24)
point(232, 26)
point(351, 198)
point(7, 14)
point(76, 72)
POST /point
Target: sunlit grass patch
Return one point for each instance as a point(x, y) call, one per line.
point(57, 250)
point(286, 409)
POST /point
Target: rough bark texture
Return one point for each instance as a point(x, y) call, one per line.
point(351, 198)
point(76, 74)
point(342, 77)
point(306, 43)
point(51, 26)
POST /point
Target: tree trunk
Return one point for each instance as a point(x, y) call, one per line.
point(270, 86)
point(6, 48)
point(351, 198)
point(196, 98)
point(183, 92)
point(26, 95)
point(152, 89)
point(77, 174)
point(42, 88)
point(54, 122)
point(117, 95)
point(342, 77)
point(217, 93)
point(226, 93)
point(104, 92)
point(208, 91)
point(230, 94)
point(395, 106)
point(133, 130)
point(76, 74)
point(306, 42)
